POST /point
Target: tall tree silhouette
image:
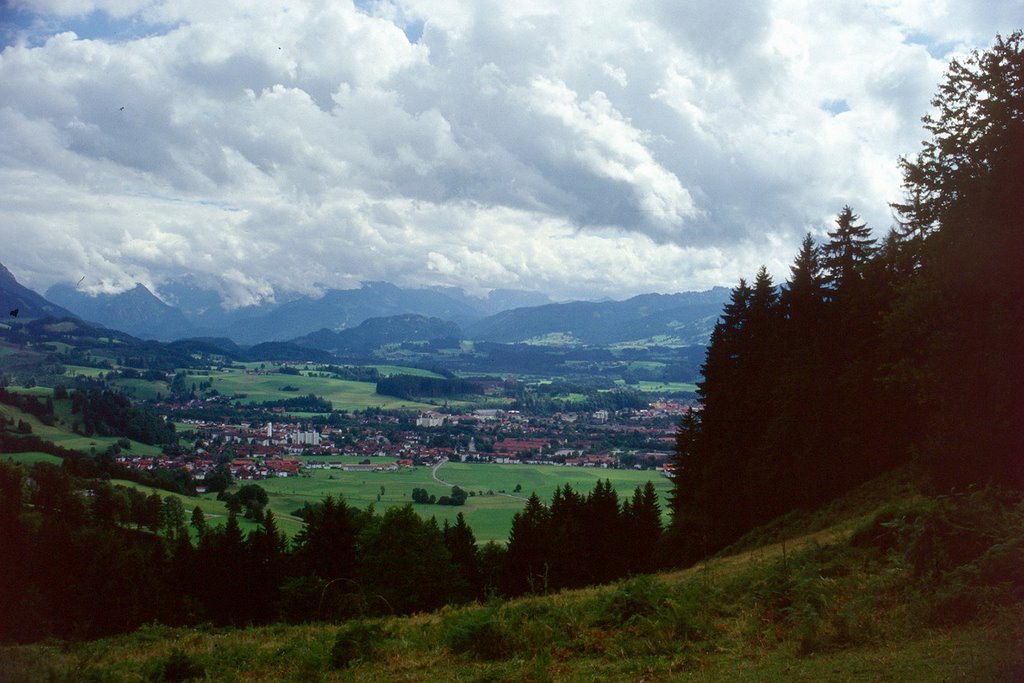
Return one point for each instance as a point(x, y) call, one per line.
point(641, 522)
point(962, 318)
point(848, 249)
point(461, 544)
point(527, 560)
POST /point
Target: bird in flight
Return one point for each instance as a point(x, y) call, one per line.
point(81, 281)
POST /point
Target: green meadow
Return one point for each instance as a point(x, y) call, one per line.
point(214, 509)
point(343, 394)
point(487, 510)
point(389, 370)
point(31, 458)
point(62, 435)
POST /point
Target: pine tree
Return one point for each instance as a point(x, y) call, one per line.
point(266, 550)
point(846, 252)
point(527, 562)
point(567, 566)
point(198, 521)
point(975, 132)
point(404, 565)
point(642, 522)
point(604, 534)
point(802, 296)
point(325, 546)
point(962, 318)
point(461, 544)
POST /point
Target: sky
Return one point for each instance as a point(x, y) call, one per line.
point(581, 149)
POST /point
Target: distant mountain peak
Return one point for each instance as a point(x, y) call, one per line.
point(29, 304)
point(136, 311)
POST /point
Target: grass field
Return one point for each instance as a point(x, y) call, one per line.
point(389, 370)
point(665, 387)
point(214, 509)
point(343, 394)
point(140, 389)
point(40, 392)
point(61, 434)
point(489, 514)
point(83, 371)
point(31, 458)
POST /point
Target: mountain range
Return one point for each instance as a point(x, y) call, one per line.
point(193, 311)
point(651, 337)
point(353, 321)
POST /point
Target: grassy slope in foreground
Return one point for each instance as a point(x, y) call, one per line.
point(857, 596)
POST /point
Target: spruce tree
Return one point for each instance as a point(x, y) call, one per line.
point(461, 544)
point(803, 294)
point(642, 525)
point(961, 319)
point(527, 560)
point(848, 249)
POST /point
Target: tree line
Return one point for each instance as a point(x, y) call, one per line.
point(107, 413)
point(876, 350)
point(416, 386)
point(84, 558)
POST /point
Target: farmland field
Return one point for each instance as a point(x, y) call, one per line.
point(487, 511)
point(31, 458)
point(214, 509)
point(665, 387)
point(343, 394)
point(389, 370)
point(61, 434)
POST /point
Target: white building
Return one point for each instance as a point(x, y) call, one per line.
point(430, 420)
point(309, 438)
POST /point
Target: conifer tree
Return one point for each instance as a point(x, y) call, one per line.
point(325, 546)
point(404, 565)
point(848, 249)
point(198, 521)
point(803, 294)
point(603, 530)
point(527, 559)
point(568, 540)
point(461, 544)
point(642, 525)
point(961, 320)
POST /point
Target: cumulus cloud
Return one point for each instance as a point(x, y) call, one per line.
point(579, 149)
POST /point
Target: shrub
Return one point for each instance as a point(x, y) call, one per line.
point(478, 633)
point(640, 596)
point(358, 640)
point(179, 667)
point(688, 613)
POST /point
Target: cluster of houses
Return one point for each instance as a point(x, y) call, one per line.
point(282, 448)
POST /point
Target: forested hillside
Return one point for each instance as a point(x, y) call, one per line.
point(878, 348)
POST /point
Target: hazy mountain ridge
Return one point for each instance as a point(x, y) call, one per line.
point(190, 310)
point(29, 304)
point(136, 311)
point(669, 319)
point(688, 318)
point(376, 332)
